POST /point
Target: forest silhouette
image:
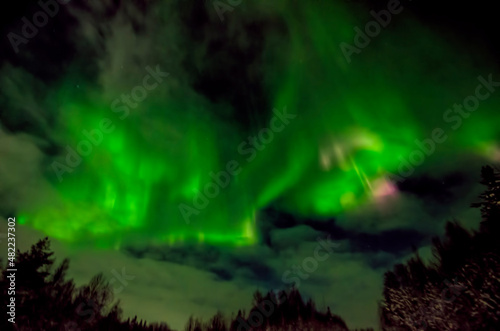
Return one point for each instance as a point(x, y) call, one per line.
point(459, 289)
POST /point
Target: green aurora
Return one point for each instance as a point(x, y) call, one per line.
point(353, 123)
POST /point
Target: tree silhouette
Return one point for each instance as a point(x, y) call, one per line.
point(490, 210)
point(285, 311)
point(490, 199)
point(45, 300)
point(460, 289)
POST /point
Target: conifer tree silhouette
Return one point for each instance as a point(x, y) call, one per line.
point(460, 289)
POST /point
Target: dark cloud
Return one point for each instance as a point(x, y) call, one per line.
point(224, 70)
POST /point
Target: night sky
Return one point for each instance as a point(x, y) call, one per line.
point(206, 148)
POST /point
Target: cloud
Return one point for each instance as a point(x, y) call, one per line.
point(225, 80)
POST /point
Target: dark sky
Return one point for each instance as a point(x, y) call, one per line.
point(328, 175)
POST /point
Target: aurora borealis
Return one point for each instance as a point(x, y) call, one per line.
point(354, 121)
point(216, 117)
